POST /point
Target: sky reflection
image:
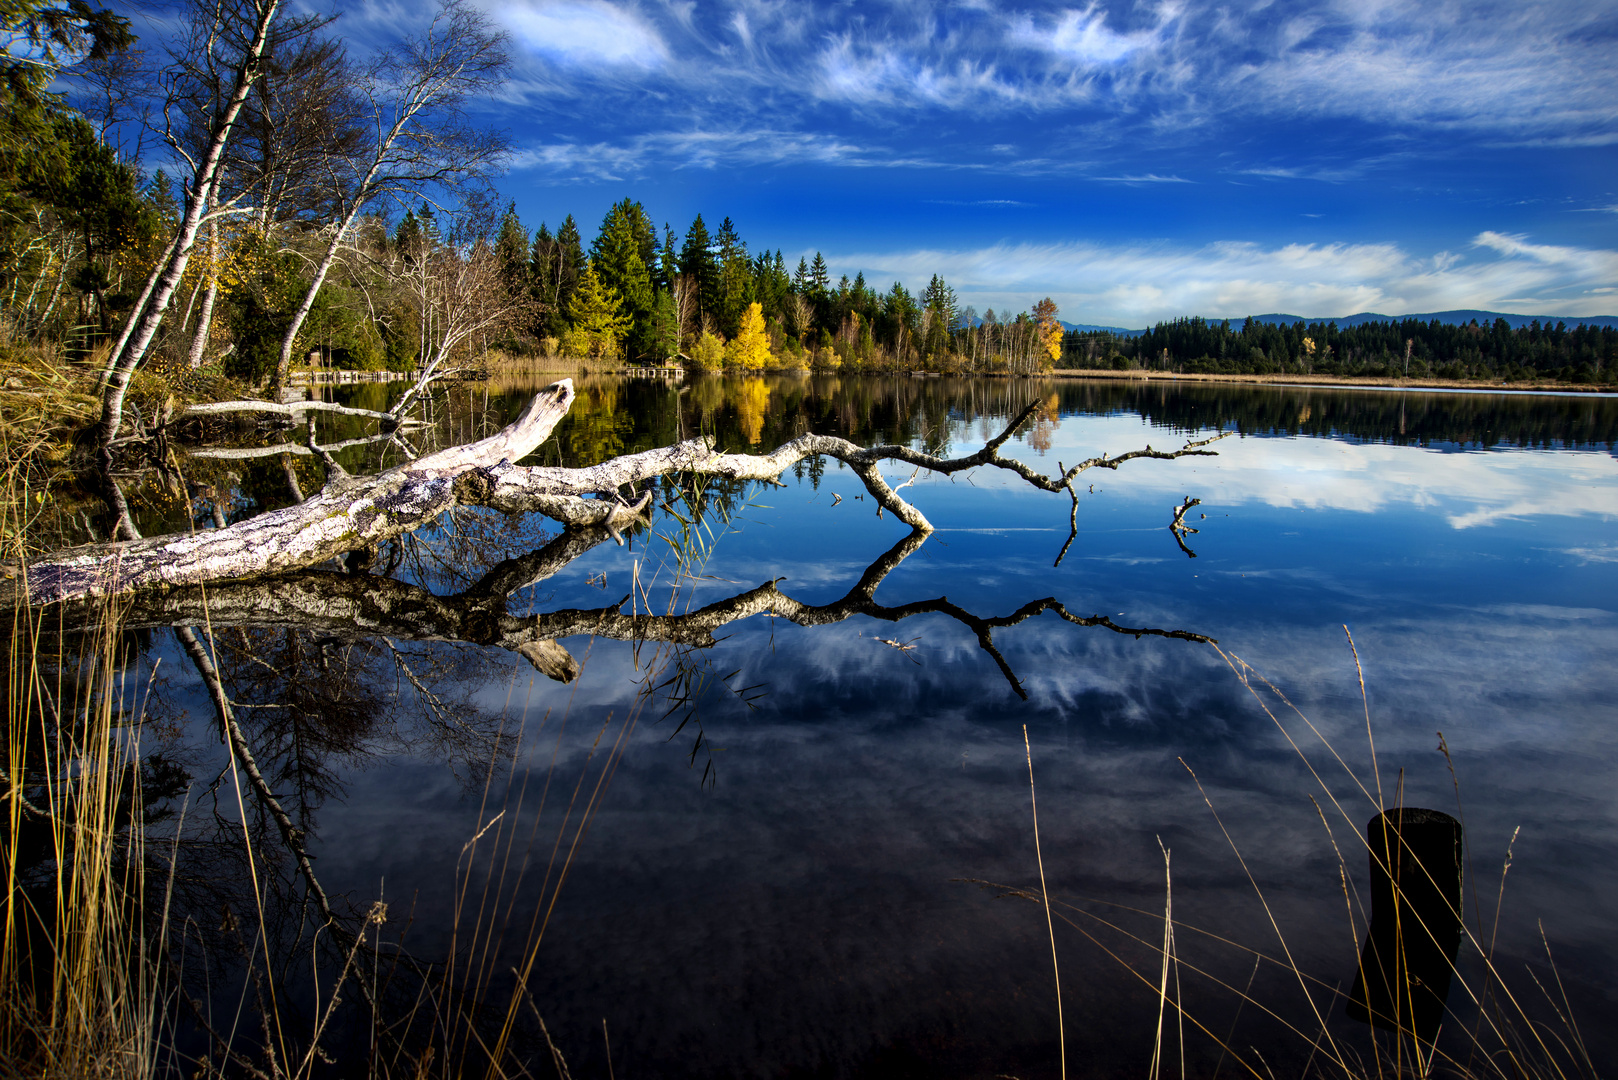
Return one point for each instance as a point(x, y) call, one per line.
point(805, 913)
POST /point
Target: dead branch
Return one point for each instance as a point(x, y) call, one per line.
point(291, 410)
point(1178, 526)
point(554, 491)
point(351, 513)
point(347, 514)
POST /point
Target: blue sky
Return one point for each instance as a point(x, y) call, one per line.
point(1134, 161)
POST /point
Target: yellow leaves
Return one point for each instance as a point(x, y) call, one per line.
point(751, 347)
point(1048, 329)
point(709, 352)
point(1309, 345)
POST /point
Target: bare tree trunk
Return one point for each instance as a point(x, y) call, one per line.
point(348, 513)
point(144, 323)
point(283, 361)
point(199, 342)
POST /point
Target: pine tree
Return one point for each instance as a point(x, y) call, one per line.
point(616, 256)
point(697, 262)
point(663, 328)
point(819, 277)
point(736, 288)
point(512, 246)
point(595, 312)
point(668, 262)
point(570, 263)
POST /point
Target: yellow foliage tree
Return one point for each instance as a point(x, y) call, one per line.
point(1049, 330)
point(709, 352)
point(750, 348)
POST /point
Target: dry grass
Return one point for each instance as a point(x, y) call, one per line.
point(80, 990)
point(1497, 1028)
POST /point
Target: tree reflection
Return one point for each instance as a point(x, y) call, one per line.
point(314, 675)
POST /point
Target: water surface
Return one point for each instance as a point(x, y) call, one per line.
point(787, 835)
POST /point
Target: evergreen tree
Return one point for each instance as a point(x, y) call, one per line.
point(668, 261)
point(595, 312)
point(819, 278)
point(511, 245)
point(697, 262)
point(939, 301)
point(663, 328)
point(570, 261)
point(735, 277)
point(616, 257)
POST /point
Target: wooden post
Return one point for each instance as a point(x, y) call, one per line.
point(1409, 955)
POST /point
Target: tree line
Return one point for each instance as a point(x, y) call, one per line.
point(704, 298)
point(342, 208)
point(1392, 348)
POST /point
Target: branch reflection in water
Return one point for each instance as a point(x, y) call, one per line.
point(313, 674)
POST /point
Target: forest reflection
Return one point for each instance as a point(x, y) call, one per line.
point(613, 415)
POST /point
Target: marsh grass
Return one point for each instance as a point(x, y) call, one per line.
point(1495, 1027)
point(81, 987)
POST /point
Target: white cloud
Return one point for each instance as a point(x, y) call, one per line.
point(703, 149)
point(1084, 36)
point(585, 33)
point(1137, 284)
point(1146, 178)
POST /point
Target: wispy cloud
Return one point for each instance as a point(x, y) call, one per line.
point(1085, 37)
point(977, 202)
point(584, 32)
point(1146, 178)
point(1136, 284)
point(638, 155)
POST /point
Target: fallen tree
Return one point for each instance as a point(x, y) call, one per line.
point(356, 513)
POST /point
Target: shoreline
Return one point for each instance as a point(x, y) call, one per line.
point(1378, 382)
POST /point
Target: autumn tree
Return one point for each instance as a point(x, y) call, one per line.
point(750, 348)
point(1049, 331)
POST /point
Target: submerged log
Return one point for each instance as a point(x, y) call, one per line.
point(351, 513)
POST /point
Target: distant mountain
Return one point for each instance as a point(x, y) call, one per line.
point(1092, 328)
point(1454, 318)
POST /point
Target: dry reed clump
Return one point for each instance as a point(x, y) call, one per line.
point(80, 989)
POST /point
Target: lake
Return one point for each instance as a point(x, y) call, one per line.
point(756, 846)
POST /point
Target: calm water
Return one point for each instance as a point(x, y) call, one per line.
point(787, 824)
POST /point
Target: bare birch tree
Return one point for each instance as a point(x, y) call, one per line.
point(213, 35)
point(417, 139)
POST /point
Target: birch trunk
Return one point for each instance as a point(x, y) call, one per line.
point(144, 323)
